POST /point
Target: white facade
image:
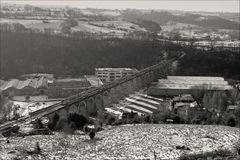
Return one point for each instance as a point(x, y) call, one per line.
point(111, 74)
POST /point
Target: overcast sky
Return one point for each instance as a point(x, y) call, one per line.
point(187, 5)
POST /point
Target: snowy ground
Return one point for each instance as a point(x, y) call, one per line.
point(27, 107)
point(127, 142)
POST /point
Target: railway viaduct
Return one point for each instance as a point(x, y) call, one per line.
point(89, 102)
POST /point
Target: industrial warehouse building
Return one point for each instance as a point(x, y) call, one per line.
point(111, 74)
point(37, 75)
point(45, 84)
point(15, 87)
point(177, 85)
point(61, 88)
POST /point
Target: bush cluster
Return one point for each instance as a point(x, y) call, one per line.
point(167, 117)
point(207, 155)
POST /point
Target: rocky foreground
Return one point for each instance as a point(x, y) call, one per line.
point(144, 141)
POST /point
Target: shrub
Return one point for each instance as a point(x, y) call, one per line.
point(78, 120)
point(69, 128)
point(62, 125)
point(125, 121)
point(206, 155)
point(162, 117)
point(237, 114)
point(229, 119)
point(85, 129)
point(110, 120)
point(231, 122)
point(106, 118)
point(176, 119)
point(52, 125)
point(10, 130)
point(147, 119)
point(92, 134)
point(136, 119)
point(158, 116)
point(118, 122)
point(203, 117)
point(37, 124)
point(69, 125)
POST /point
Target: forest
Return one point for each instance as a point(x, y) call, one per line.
point(210, 63)
point(66, 56)
point(164, 17)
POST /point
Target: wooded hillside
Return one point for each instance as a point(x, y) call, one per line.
point(31, 52)
point(67, 56)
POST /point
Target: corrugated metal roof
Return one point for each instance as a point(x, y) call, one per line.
point(17, 84)
point(33, 83)
point(42, 83)
point(10, 84)
point(192, 86)
point(195, 78)
point(116, 69)
point(167, 81)
point(183, 98)
point(194, 82)
point(71, 79)
point(24, 84)
point(38, 75)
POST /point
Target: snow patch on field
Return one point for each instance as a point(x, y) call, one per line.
point(27, 107)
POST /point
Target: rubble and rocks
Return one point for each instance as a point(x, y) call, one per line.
point(20, 153)
point(141, 141)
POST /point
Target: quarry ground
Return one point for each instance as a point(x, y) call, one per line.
point(125, 142)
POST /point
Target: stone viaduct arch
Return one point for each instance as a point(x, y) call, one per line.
point(73, 109)
point(106, 99)
point(91, 106)
point(82, 108)
point(99, 102)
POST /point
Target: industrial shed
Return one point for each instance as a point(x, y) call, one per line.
point(61, 88)
point(176, 85)
point(17, 87)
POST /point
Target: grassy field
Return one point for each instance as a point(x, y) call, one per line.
point(85, 27)
point(114, 27)
point(174, 25)
point(42, 26)
point(126, 142)
point(26, 22)
point(119, 25)
point(21, 21)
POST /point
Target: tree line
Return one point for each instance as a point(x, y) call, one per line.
point(210, 63)
point(70, 56)
point(28, 52)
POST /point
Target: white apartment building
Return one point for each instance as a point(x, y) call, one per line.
point(111, 74)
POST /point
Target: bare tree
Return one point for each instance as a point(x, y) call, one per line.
point(212, 43)
point(191, 42)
